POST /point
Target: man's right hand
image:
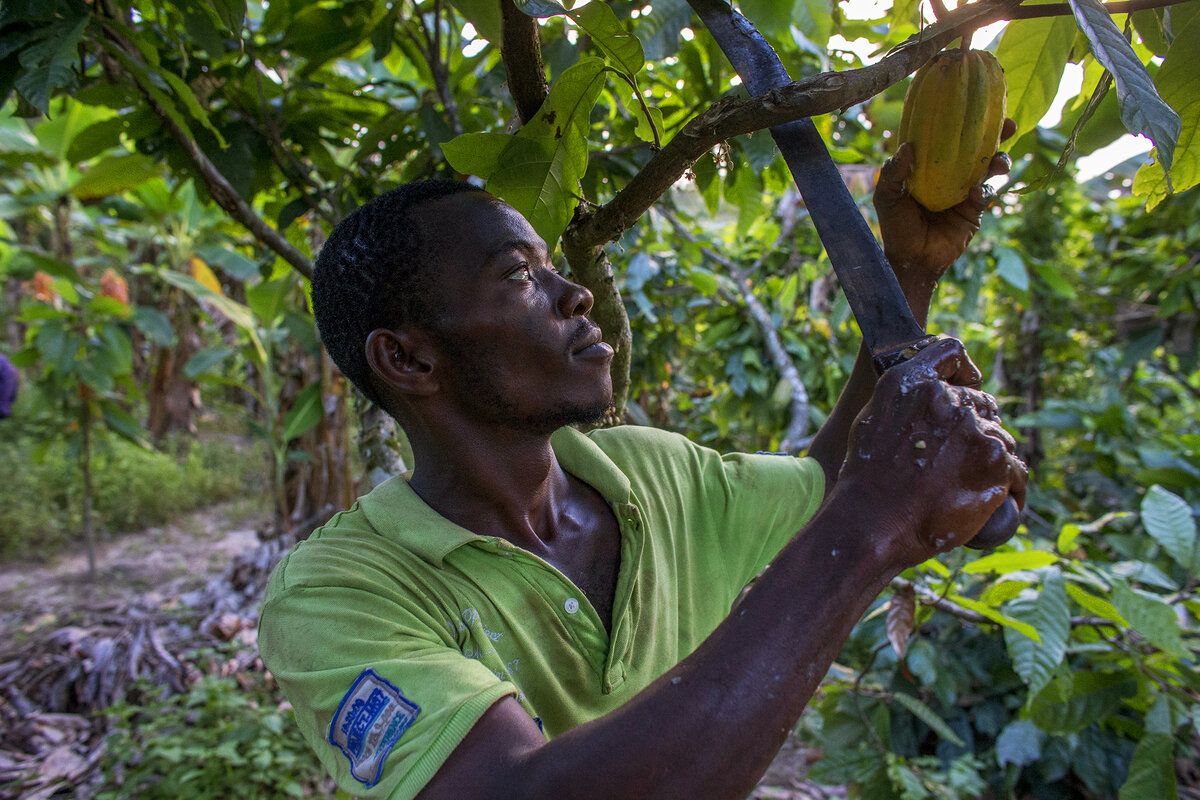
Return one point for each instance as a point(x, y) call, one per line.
point(928, 453)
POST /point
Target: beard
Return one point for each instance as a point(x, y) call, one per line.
point(479, 381)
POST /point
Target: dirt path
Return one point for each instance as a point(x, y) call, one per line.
point(163, 561)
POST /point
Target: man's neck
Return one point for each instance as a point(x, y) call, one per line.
point(506, 484)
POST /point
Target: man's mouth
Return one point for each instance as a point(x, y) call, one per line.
point(589, 343)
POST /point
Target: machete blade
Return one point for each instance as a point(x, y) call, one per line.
point(889, 329)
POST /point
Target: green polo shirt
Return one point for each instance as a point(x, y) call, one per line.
point(392, 630)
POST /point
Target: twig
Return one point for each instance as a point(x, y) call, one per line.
point(439, 68)
point(932, 598)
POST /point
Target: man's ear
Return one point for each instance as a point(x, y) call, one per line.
point(403, 360)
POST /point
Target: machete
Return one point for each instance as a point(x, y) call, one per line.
point(889, 329)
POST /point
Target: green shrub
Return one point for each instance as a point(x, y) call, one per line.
point(41, 506)
point(225, 738)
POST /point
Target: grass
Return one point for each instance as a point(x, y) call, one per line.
point(133, 488)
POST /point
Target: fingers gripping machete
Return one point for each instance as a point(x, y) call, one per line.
point(890, 331)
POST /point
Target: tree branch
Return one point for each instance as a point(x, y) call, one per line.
point(521, 50)
point(218, 186)
point(731, 116)
point(1064, 9)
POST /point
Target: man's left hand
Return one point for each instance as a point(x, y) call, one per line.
point(915, 238)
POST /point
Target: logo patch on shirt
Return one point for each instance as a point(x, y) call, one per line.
point(368, 723)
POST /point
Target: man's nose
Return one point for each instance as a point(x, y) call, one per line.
point(573, 300)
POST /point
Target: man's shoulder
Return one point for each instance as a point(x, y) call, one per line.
point(642, 440)
point(328, 552)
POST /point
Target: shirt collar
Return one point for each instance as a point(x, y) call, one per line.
point(399, 513)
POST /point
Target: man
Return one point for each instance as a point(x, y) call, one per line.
point(10, 382)
point(539, 613)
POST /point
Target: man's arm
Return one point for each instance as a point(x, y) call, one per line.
point(710, 727)
point(920, 245)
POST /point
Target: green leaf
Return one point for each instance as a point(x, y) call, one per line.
point(703, 281)
point(1178, 81)
point(747, 194)
point(1066, 538)
point(236, 312)
point(106, 134)
point(1000, 593)
point(305, 413)
point(114, 175)
point(1096, 605)
point(479, 154)
point(235, 264)
point(117, 350)
point(267, 298)
point(620, 47)
point(484, 15)
point(542, 165)
point(1034, 53)
point(33, 261)
point(1019, 743)
point(318, 33)
point(1150, 617)
point(659, 30)
point(155, 325)
point(1011, 268)
point(204, 360)
point(1003, 563)
point(929, 717)
point(540, 8)
point(1142, 109)
point(1035, 662)
point(1168, 518)
point(1077, 699)
point(184, 92)
point(49, 62)
point(1149, 24)
point(120, 422)
point(1151, 770)
point(1023, 628)
point(148, 85)
point(1054, 278)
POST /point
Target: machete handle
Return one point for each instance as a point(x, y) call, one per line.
point(1002, 524)
point(1000, 527)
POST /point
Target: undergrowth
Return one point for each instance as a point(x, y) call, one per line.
point(41, 507)
point(226, 737)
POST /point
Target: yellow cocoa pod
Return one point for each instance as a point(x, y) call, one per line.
point(953, 113)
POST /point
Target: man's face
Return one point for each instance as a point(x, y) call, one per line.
point(517, 346)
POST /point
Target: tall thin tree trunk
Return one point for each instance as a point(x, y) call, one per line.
point(85, 464)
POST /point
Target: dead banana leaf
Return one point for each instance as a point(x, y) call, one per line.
point(901, 617)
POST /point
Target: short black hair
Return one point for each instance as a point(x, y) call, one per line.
point(374, 272)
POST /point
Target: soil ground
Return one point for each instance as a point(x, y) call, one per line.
point(157, 565)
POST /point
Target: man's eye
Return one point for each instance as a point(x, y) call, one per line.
point(521, 273)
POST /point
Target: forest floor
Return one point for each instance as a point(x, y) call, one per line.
point(159, 567)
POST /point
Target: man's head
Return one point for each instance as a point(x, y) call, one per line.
point(450, 295)
point(376, 271)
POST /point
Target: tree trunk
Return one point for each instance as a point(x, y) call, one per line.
point(590, 267)
point(172, 399)
point(85, 466)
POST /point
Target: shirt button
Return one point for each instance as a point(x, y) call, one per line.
point(572, 605)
